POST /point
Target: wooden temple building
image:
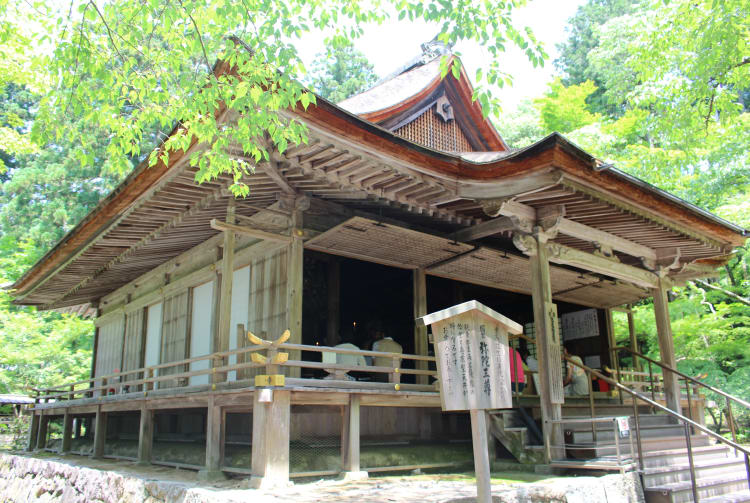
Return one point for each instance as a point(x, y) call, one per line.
point(405, 201)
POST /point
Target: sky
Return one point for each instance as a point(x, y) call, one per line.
point(392, 44)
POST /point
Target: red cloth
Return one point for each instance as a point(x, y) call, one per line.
point(516, 375)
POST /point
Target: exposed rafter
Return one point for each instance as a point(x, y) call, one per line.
point(175, 221)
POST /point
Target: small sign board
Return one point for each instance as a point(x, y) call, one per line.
point(471, 352)
point(580, 324)
point(623, 426)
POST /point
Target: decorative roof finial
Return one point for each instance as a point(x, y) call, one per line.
point(435, 48)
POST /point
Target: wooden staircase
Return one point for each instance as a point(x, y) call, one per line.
point(508, 427)
point(720, 474)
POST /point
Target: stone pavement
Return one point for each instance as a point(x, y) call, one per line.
point(72, 479)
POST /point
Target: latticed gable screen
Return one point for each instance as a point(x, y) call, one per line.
point(174, 335)
point(430, 130)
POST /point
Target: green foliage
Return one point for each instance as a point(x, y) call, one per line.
point(583, 37)
point(128, 67)
point(37, 348)
point(520, 127)
point(563, 108)
point(341, 72)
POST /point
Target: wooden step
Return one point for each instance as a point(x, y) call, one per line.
point(644, 420)
point(607, 463)
point(607, 448)
point(705, 468)
point(733, 497)
point(672, 457)
point(651, 431)
point(682, 492)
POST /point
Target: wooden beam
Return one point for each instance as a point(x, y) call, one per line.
point(572, 228)
point(270, 453)
point(223, 334)
point(488, 228)
point(350, 440)
point(633, 339)
point(271, 168)
point(294, 288)
point(561, 254)
point(248, 231)
point(333, 325)
point(586, 233)
point(666, 345)
point(548, 346)
point(145, 436)
point(33, 432)
point(100, 433)
point(214, 443)
point(67, 433)
point(41, 437)
point(421, 345)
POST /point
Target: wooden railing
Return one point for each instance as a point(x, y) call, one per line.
point(147, 378)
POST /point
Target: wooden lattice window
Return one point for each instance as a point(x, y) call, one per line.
point(430, 130)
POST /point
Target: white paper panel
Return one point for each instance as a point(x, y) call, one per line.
point(240, 304)
point(200, 331)
point(153, 335)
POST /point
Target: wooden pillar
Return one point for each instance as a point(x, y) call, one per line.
point(666, 345)
point(350, 441)
point(221, 341)
point(547, 345)
point(100, 433)
point(67, 433)
point(270, 454)
point(214, 442)
point(421, 345)
point(637, 365)
point(333, 328)
point(33, 432)
point(41, 437)
point(294, 288)
point(145, 436)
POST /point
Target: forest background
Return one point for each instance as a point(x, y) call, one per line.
point(658, 89)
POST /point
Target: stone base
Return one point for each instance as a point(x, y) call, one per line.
point(267, 482)
point(352, 476)
point(211, 475)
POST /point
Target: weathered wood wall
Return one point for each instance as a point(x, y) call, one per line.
point(170, 313)
point(109, 346)
point(132, 355)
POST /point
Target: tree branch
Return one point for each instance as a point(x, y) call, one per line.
point(197, 32)
point(109, 31)
point(722, 290)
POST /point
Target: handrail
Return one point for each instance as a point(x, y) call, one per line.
point(662, 408)
point(147, 377)
point(684, 420)
point(684, 376)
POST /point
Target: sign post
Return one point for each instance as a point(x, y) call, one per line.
point(473, 364)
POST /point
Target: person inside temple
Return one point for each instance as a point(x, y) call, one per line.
point(384, 344)
point(517, 375)
point(575, 382)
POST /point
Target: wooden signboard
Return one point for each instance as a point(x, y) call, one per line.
point(471, 353)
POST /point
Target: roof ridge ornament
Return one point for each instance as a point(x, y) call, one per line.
point(435, 48)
